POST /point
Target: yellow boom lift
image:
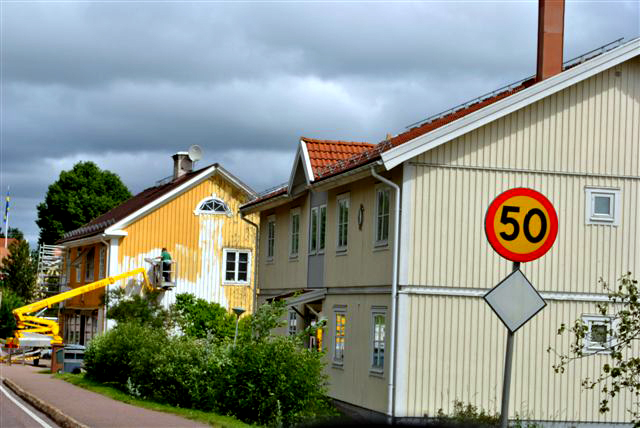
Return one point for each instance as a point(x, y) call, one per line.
point(41, 326)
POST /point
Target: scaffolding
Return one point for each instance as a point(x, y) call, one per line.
point(51, 262)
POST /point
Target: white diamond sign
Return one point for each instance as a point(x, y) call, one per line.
point(515, 301)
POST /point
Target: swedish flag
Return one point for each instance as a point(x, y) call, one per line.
point(6, 209)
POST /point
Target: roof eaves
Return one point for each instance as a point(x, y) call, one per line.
point(506, 105)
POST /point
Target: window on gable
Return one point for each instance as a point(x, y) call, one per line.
point(379, 317)
point(317, 227)
point(343, 222)
point(340, 316)
point(271, 237)
point(599, 336)
point(237, 266)
point(602, 206)
point(294, 232)
point(213, 206)
point(382, 216)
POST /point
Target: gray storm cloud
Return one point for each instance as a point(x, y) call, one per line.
point(125, 84)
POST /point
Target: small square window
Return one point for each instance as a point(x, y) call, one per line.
point(237, 267)
point(599, 337)
point(602, 206)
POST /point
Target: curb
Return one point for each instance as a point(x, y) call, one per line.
point(65, 421)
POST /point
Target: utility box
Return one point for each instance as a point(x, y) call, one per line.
point(67, 359)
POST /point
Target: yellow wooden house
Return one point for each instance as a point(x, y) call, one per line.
point(194, 215)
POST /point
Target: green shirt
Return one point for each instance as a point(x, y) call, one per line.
point(165, 256)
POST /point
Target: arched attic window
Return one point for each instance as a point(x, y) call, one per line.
point(212, 205)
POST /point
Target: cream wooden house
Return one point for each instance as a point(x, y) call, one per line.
point(406, 339)
point(194, 214)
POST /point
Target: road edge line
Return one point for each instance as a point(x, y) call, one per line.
point(60, 418)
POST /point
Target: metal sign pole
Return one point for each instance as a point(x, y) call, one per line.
point(506, 385)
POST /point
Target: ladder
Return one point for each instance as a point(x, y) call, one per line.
point(51, 262)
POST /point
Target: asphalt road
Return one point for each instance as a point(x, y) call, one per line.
point(16, 413)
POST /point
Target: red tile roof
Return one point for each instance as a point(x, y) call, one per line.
point(323, 153)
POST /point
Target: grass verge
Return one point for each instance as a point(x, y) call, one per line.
point(212, 419)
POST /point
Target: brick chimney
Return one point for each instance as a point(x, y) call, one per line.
point(550, 38)
point(181, 164)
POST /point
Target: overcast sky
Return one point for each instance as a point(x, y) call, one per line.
point(127, 84)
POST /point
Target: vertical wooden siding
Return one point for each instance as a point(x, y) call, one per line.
point(195, 243)
point(591, 128)
point(455, 351)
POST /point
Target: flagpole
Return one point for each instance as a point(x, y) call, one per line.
point(6, 219)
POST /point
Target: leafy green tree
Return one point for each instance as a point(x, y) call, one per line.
point(13, 232)
point(199, 318)
point(143, 310)
point(621, 371)
point(10, 301)
point(19, 271)
point(77, 197)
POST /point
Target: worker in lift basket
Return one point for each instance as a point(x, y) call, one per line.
point(166, 265)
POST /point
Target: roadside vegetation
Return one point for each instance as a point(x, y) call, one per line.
point(186, 358)
point(210, 418)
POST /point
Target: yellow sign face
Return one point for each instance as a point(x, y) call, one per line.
point(521, 224)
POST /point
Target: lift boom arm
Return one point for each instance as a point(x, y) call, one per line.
point(32, 324)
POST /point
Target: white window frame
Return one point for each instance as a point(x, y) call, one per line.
point(376, 312)
point(271, 239)
point(322, 228)
point(292, 325)
point(381, 242)
point(237, 252)
point(340, 199)
point(591, 217)
point(294, 235)
point(593, 347)
point(102, 262)
point(314, 231)
point(338, 355)
point(200, 211)
point(90, 274)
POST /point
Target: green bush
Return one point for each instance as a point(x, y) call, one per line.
point(199, 318)
point(10, 301)
point(142, 309)
point(265, 380)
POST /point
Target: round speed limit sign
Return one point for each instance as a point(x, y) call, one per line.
point(521, 224)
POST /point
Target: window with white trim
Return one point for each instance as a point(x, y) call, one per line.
point(602, 206)
point(382, 216)
point(317, 228)
point(322, 227)
point(313, 230)
point(271, 237)
point(293, 323)
point(599, 337)
point(342, 216)
point(237, 266)
point(340, 317)
point(77, 265)
point(212, 205)
point(89, 268)
point(102, 262)
point(379, 325)
point(294, 232)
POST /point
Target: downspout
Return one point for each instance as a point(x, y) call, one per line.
point(394, 296)
point(255, 267)
point(106, 274)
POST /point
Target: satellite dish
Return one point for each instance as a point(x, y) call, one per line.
point(195, 153)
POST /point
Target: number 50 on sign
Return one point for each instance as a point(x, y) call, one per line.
point(521, 224)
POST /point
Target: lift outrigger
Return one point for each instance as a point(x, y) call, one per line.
point(34, 325)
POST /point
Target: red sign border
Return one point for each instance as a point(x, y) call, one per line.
point(493, 239)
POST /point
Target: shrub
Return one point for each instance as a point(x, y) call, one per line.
point(199, 318)
point(266, 380)
point(10, 301)
point(272, 381)
point(142, 309)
